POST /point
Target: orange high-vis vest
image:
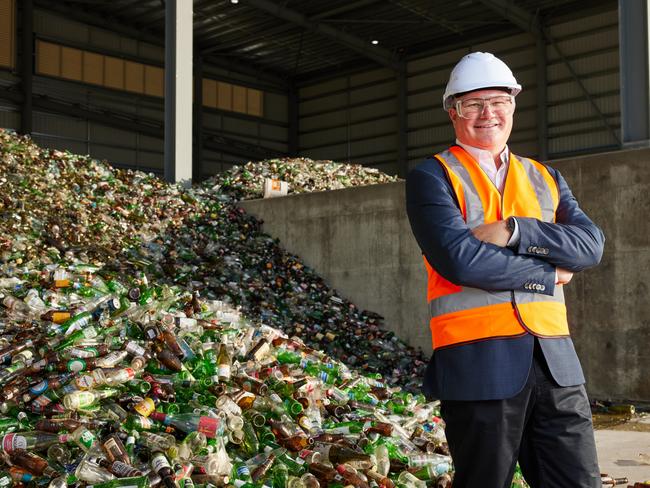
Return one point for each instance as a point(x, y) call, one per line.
point(461, 314)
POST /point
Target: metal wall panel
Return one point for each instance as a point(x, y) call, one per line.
point(126, 148)
point(243, 127)
point(324, 137)
point(62, 144)
point(147, 143)
point(9, 111)
point(7, 33)
point(328, 110)
point(352, 118)
point(60, 126)
point(118, 155)
point(279, 134)
point(317, 105)
point(276, 107)
point(371, 76)
point(317, 90)
point(9, 116)
point(591, 48)
point(103, 39)
point(52, 25)
point(100, 134)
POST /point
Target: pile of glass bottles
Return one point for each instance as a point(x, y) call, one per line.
point(56, 206)
point(303, 175)
point(113, 380)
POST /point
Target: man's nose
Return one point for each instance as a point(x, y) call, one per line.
point(487, 109)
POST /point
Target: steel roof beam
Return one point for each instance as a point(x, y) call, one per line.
point(425, 14)
point(149, 16)
point(515, 14)
point(378, 54)
point(343, 9)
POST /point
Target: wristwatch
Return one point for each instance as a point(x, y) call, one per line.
point(510, 224)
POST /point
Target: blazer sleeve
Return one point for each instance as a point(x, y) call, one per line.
point(453, 251)
point(573, 242)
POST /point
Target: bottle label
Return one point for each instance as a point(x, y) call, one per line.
point(185, 323)
point(76, 365)
point(223, 371)
point(90, 352)
point(135, 349)
point(40, 403)
point(209, 426)
point(183, 471)
point(122, 469)
point(85, 382)
point(112, 449)
point(85, 399)
point(243, 471)
point(11, 442)
point(123, 375)
point(110, 360)
point(145, 407)
point(159, 461)
point(87, 439)
point(60, 317)
point(39, 388)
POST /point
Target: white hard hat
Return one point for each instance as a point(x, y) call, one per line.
point(477, 71)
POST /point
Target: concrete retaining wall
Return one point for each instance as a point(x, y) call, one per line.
point(360, 241)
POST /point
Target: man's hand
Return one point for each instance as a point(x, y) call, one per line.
point(496, 233)
point(563, 276)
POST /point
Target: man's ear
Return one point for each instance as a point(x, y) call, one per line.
point(453, 115)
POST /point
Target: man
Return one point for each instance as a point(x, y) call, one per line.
point(501, 235)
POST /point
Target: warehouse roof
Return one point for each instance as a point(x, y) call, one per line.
point(305, 40)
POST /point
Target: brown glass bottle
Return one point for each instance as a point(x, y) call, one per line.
point(261, 471)
point(114, 449)
point(323, 472)
point(32, 463)
point(351, 477)
point(167, 358)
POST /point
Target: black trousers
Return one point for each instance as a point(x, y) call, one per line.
point(547, 428)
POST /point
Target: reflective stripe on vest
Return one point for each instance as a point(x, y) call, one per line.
point(461, 314)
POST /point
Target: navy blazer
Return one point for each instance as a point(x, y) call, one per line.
point(497, 368)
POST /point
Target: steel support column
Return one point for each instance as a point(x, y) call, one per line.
point(402, 124)
point(293, 142)
point(634, 73)
point(178, 91)
point(198, 120)
point(542, 99)
point(27, 64)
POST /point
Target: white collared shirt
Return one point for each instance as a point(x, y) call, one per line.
point(486, 162)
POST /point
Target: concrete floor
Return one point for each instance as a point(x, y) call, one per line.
point(618, 454)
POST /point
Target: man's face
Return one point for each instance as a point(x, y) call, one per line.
point(488, 129)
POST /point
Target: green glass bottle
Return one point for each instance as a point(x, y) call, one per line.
point(280, 476)
point(250, 444)
point(134, 482)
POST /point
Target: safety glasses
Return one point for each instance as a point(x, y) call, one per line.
point(469, 108)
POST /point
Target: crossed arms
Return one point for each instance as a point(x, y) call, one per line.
point(574, 242)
